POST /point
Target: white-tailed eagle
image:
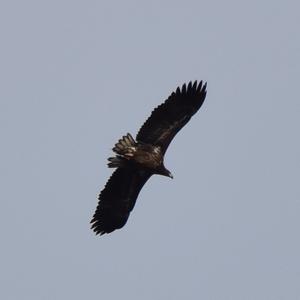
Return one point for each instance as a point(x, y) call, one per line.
point(137, 160)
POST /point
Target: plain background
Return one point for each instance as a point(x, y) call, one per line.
point(77, 75)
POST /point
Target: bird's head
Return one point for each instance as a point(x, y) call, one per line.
point(164, 171)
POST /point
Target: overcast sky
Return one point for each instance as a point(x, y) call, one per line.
point(77, 75)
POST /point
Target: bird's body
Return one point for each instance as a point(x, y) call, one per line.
point(137, 160)
point(137, 155)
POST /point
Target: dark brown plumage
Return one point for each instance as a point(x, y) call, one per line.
point(136, 161)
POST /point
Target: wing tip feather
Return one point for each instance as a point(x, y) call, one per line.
point(192, 86)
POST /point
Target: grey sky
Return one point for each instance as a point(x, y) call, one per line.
point(76, 75)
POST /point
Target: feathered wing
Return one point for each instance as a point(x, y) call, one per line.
point(117, 199)
point(168, 118)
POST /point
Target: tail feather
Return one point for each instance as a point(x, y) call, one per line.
point(124, 148)
point(117, 161)
point(125, 145)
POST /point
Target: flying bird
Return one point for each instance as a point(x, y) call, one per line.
point(136, 160)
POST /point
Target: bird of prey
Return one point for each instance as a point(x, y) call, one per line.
point(136, 160)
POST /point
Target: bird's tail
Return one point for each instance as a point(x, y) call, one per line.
point(125, 149)
point(126, 146)
point(116, 162)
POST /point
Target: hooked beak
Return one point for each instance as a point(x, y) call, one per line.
point(165, 172)
point(170, 175)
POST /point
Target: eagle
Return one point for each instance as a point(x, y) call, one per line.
point(136, 160)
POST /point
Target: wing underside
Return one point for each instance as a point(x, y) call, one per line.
point(117, 199)
point(168, 118)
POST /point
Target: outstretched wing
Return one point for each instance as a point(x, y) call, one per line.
point(117, 199)
point(168, 118)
